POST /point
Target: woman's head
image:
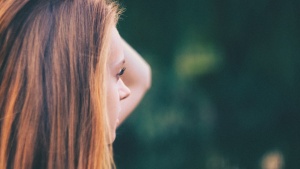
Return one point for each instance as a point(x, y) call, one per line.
point(116, 88)
point(53, 83)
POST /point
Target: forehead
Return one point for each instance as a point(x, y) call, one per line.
point(116, 49)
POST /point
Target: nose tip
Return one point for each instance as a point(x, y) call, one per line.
point(124, 92)
point(125, 96)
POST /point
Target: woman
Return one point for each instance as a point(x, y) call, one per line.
point(61, 91)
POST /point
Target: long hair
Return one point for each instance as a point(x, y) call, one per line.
point(52, 91)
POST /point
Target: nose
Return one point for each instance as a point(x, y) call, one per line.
point(124, 91)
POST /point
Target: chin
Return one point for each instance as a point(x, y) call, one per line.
point(112, 137)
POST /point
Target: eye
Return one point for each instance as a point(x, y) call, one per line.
point(121, 72)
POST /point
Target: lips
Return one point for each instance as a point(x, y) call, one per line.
point(117, 121)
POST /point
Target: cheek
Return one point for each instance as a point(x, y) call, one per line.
point(113, 101)
point(112, 94)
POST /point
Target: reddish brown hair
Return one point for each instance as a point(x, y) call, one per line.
point(52, 95)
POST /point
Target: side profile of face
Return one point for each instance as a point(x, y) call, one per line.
point(116, 89)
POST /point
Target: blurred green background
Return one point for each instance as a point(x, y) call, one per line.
point(225, 91)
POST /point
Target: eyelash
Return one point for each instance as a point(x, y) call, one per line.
point(121, 72)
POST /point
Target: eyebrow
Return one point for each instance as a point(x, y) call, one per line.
point(121, 62)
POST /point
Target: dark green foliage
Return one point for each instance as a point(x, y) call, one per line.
point(225, 84)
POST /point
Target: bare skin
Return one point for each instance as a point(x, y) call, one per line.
point(137, 78)
point(125, 88)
